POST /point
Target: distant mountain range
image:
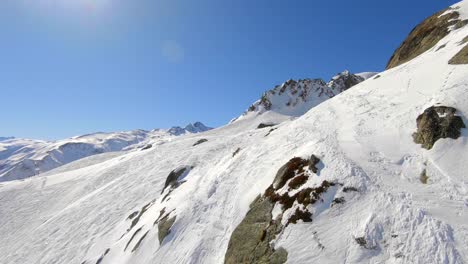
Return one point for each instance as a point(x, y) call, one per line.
point(22, 158)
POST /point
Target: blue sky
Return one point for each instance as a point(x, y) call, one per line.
point(70, 67)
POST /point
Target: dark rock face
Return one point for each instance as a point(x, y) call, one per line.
point(435, 123)
point(289, 170)
point(344, 80)
point(135, 216)
point(164, 227)
point(462, 56)
point(236, 152)
point(172, 179)
point(425, 36)
point(147, 147)
point(303, 91)
point(203, 140)
point(313, 162)
point(251, 240)
point(263, 125)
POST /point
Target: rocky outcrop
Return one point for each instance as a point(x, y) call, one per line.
point(164, 227)
point(263, 125)
point(174, 178)
point(295, 97)
point(462, 56)
point(343, 81)
point(435, 123)
point(203, 140)
point(251, 241)
point(425, 36)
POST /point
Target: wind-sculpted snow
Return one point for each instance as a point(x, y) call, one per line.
point(114, 209)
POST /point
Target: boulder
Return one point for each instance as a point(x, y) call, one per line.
point(435, 123)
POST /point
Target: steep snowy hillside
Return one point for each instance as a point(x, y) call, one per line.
point(22, 158)
point(376, 174)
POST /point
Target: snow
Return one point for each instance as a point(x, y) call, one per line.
point(22, 158)
point(460, 7)
point(366, 75)
point(294, 98)
point(362, 136)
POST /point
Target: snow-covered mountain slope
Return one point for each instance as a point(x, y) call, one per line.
point(344, 183)
point(294, 98)
point(22, 158)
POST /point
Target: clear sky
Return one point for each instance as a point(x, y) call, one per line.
point(70, 67)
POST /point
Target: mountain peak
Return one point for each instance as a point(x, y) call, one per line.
point(192, 128)
point(344, 80)
point(296, 97)
point(196, 127)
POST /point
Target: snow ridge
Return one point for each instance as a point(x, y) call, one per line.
point(294, 98)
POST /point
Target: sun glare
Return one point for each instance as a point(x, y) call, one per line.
point(85, 7)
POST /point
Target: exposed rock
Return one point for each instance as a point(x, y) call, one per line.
point(344, 80)
point(263, 125)
point(295, 97)
point(137, 218)
point(361, 241)
point(298, 181)
point(271, 130)
point(196, 127)
point(131, 238)
point(462, 56)
point(250, 241)
point(132, 215)
point(350, 189)
point(236, 152)
point(288, 171)
point(425, 36)
point(147, 147)
point(313, 162)
point(338, 200)
point(101, 257)
point(441, 47)
point(423, 177)
point(203, 140)
point(173, 179)
point(299, 214)
point(164, 227)
point(137, 245)
point(435, 123)
point(279, 256)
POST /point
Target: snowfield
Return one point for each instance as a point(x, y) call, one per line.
point(113, 207)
